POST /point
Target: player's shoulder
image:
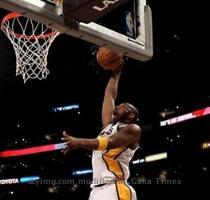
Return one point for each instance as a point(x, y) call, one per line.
point(133, 127)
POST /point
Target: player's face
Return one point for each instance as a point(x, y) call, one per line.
point(120, 112)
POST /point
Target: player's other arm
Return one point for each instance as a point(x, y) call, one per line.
point(124, 138)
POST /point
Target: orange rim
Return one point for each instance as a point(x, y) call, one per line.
point(13, 15)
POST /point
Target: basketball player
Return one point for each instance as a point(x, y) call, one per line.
point(114, 147)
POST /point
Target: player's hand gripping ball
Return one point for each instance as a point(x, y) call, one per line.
point(109, 60)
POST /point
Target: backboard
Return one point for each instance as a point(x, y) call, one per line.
point(135, 41)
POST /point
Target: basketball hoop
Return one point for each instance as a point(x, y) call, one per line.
point(31, 41)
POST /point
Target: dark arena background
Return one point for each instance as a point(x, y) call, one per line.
point(171, 95)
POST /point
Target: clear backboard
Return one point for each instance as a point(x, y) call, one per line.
point(134, 40)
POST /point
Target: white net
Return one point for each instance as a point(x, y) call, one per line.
point(31, 41)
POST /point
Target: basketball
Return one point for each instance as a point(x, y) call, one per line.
point(108, 59)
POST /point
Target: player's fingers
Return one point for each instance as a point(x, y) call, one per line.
point(65, 134)
point(65, 139)
point(66, 150)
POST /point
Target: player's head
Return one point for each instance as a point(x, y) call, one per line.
point(126, 112)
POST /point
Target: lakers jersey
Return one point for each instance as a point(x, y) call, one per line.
point(111, 165)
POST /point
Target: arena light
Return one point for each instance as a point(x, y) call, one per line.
point(28, 179)
point(138, 161)
point(32, 150)
point(205, 145)
point(151, 158)
point(155, 157)
point(188, 116)
point(65, 108)
point(82, 172)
